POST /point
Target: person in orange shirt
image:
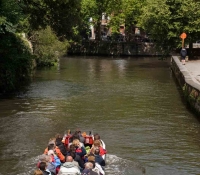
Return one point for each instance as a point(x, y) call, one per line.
point(52, 146)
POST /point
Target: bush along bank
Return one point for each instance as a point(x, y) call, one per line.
point(18, 56)
point(47, 47)
point(15, 62)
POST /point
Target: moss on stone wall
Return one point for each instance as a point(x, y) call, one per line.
point(191, 94)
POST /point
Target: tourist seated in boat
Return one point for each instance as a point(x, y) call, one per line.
point(80, 149)
point(74, 137)
point(48, 160)
point(43, 168)
point(88, 169)
point(69, 168)
point(60, 144)
point(81, 138)
point(97, 136)
point(52, 146)
point(73, 154)
point(54, 160)
point(67, 136)
point(72, 149)
point(96, 167)
point(98, 157)
point(97, 143)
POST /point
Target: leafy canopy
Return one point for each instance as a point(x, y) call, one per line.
point(165, 20)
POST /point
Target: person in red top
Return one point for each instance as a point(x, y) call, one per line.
point(52, 146)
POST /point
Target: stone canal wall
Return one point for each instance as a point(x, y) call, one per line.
point(108, 48)
point(190, 88)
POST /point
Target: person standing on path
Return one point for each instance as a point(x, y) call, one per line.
point(183, 55)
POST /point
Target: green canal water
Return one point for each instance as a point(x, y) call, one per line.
point(133, 103)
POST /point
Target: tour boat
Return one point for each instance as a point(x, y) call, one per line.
point(89, 139)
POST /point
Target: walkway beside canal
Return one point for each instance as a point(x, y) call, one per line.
point(188, 76)
point(193, 68)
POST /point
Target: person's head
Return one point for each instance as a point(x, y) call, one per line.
point(91, 159)
point(84, 134)
point(51, 153)
point(89, 165)
point(42, 158)
point(52, 141)
point(78, 131)
point(45, 158)
point(76, 142)
point(73, 154)
point(58, 141)
point(58, 136)
point(42, 166)
point(75, 136)
point(69, 159)
point(97, 143)
point(51, 146)
point(72, 148)
point(96, 151)
point(49, 158)
point(96, 137)
point(38, 172)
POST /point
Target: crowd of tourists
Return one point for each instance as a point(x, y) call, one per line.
point(72, 158)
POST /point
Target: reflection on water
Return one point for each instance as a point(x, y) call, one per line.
point(134, 104)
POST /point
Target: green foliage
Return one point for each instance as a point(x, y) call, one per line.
point(15, 62)
point(95, 9)
point(132, 12)
point(47, 47)
point(61, 15)
point(10, 15)
point(165, 20)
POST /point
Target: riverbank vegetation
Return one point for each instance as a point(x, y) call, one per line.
point(48, 27)
point(47, 47)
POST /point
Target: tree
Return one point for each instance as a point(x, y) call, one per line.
point(15, 54)
point(132, 12)
point(47, 47)
point(95, 9)
point(165, 20)
point(63, 16)
point(10, 16)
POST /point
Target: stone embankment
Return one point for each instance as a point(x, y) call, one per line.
point(188, 77)
point(110, 48)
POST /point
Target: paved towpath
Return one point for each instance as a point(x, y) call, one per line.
point(193, 67)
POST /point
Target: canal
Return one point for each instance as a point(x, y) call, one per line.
point(133, 103)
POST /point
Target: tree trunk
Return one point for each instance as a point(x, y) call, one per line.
point(98, 31)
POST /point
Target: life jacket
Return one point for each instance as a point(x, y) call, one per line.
point(102, 151)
